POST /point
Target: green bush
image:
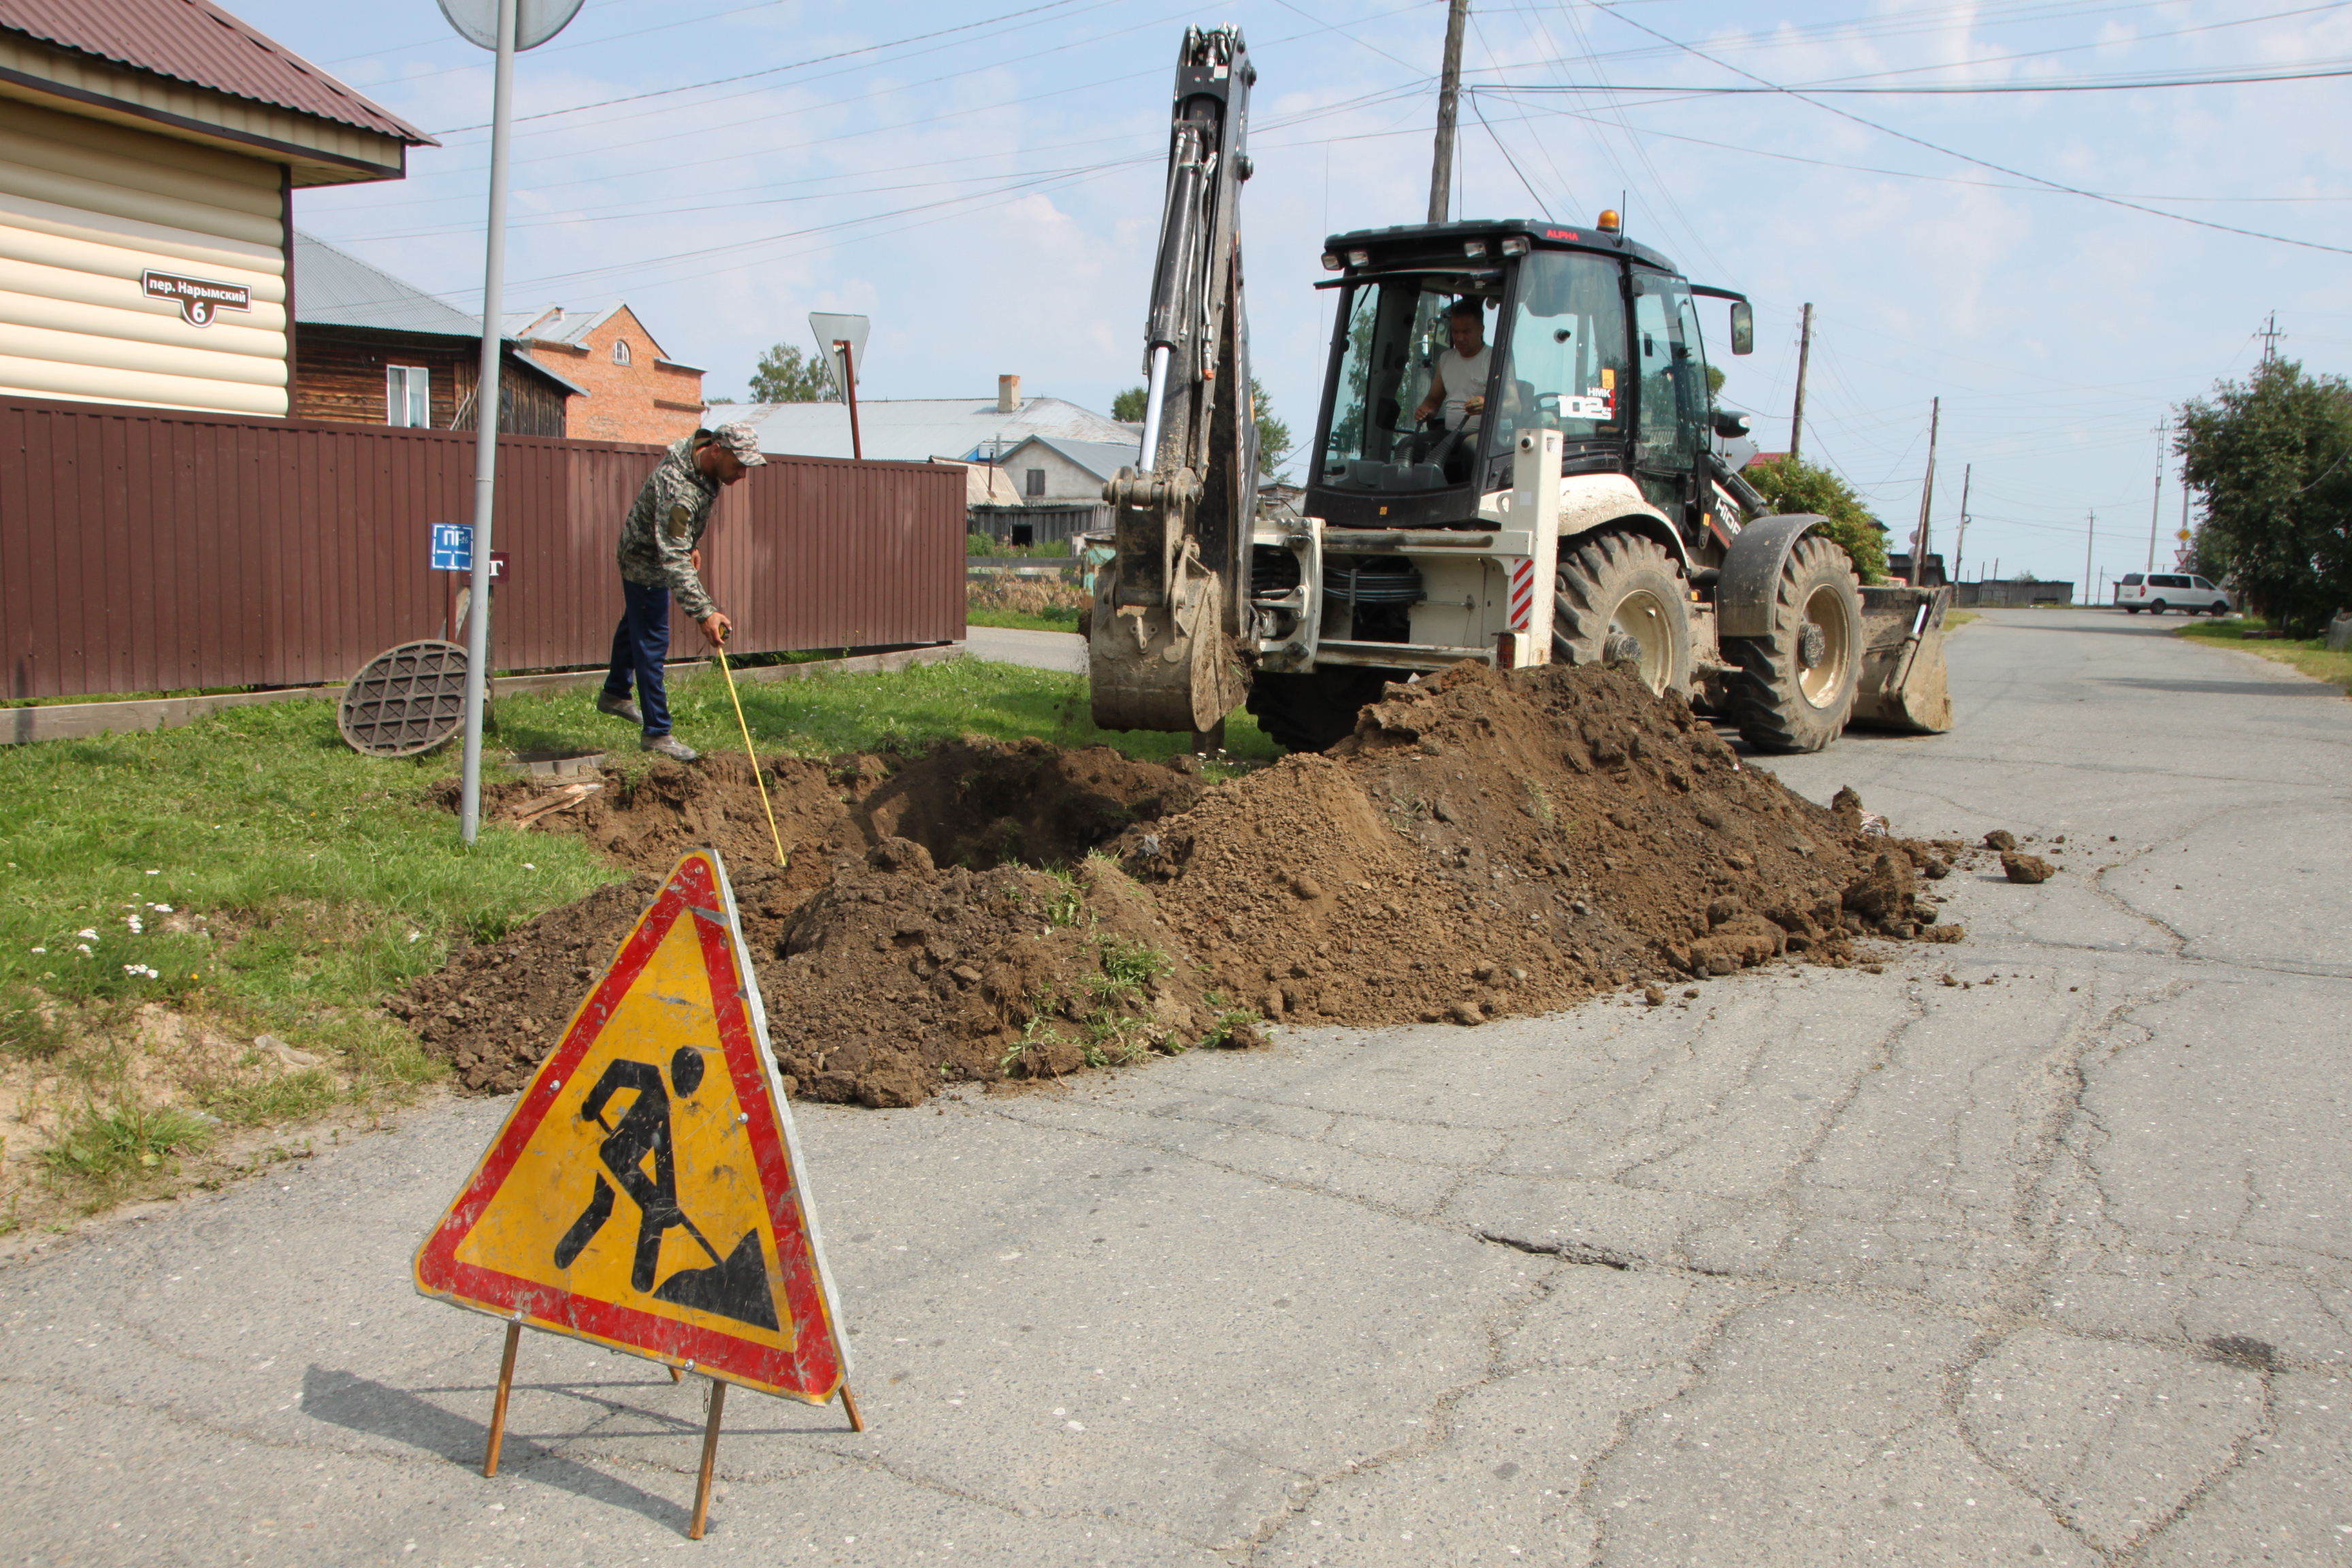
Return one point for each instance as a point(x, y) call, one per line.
point(1792, 485)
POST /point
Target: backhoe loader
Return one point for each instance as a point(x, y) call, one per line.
point(1569, 501)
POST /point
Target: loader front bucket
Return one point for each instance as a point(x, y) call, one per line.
point(1903, 684)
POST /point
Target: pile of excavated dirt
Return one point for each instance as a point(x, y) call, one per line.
point(1485, 845)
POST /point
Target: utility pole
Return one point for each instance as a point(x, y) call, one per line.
point(2269, 335)
point(1927, 497)
point(1804, 353)
point(1449, 102)
point(2155, 500)
point(2090, 533)
point(1960, 540)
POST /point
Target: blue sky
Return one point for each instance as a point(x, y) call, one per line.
point(989, 193)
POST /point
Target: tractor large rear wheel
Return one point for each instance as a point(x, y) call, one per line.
point(1314, 712)
point(1795, 687)
point(1623, 600)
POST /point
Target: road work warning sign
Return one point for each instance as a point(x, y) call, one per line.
point(646, 1192)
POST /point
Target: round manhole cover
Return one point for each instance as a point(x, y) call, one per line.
point(408, 699)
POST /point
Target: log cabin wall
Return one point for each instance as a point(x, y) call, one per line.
point(339, 376)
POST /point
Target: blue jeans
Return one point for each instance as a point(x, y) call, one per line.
point(640, 644)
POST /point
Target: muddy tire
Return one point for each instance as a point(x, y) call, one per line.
point(1621, 595)
point(1796, 687)
point(1315, 711)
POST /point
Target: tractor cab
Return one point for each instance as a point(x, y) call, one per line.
point(1452, 339)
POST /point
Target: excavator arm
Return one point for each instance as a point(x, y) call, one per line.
point(1165, 640)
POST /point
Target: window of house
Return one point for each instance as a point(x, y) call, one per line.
point(620, 350)
point(408, 396)
point(1036, 478)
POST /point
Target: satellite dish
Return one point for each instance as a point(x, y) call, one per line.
point(831, 328)
point(536, 21)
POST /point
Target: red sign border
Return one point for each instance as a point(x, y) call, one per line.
point(814, 1368)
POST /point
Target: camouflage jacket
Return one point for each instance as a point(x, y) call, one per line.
point(663, 526)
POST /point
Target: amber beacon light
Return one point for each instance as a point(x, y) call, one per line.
point(1608, 221)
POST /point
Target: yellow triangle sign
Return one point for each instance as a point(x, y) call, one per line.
point(646, 1191)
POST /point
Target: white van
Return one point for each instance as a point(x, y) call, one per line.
point(2160, 591)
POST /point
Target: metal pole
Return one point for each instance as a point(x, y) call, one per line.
point(2155, 502)
point(849, 375)
point(1927, 497)
point(1960, 540)
point(2090, 535)
point(1449, 103)
point(486, 425)
point(1804, 353)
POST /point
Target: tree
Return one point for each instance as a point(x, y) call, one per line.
point(1794, 485)
point(785, 374)
point(2272, 454)
point(1272, 434)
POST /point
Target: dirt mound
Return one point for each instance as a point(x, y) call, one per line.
point(1487, 844)
point(1483, 845)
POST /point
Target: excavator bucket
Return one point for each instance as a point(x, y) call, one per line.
point(1903, 684)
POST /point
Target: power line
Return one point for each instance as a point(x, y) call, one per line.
point(1965, 157)
point(1917, 89)
point(776, 71)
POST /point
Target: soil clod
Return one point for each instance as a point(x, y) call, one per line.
point(2026, 869)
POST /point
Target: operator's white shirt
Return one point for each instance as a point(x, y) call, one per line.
point(1464, 376)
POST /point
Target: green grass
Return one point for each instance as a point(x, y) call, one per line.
point(827, 714)
point(2308, 655)
point(119, 1143)
point(1955, 619)
point(986, 544)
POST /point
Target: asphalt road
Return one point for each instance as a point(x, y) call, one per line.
point(2049, 1269)
point(1044, 650)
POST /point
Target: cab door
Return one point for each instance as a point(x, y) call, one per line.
point(1670, 383)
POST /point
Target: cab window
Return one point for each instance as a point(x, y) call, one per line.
point(1395, 329)
point(1566, 336)
point(1672, 409)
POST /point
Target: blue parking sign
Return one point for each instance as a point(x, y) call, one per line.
point(452, 547)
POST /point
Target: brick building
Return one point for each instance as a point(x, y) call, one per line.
point(633, 392)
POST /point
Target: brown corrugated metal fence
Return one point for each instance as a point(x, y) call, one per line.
point(143, 549)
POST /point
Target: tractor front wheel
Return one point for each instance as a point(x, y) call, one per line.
point(1796, 687)
point(1621, 600)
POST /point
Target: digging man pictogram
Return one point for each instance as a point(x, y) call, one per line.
point(735, 1287)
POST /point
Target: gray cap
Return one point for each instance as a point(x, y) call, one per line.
point(741, 438)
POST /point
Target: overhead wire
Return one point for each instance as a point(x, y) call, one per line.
point(1967, 157)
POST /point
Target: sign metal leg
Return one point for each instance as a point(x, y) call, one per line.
point(709, 1459)
point(498, 1410)
point(849, 1402)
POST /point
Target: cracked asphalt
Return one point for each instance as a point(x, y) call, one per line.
point(2049, 1267)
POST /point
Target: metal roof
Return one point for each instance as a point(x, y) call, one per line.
point(335, 288)
point(198, 43)
point(554, 325)
point(1102, 459)
point(916, 428)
